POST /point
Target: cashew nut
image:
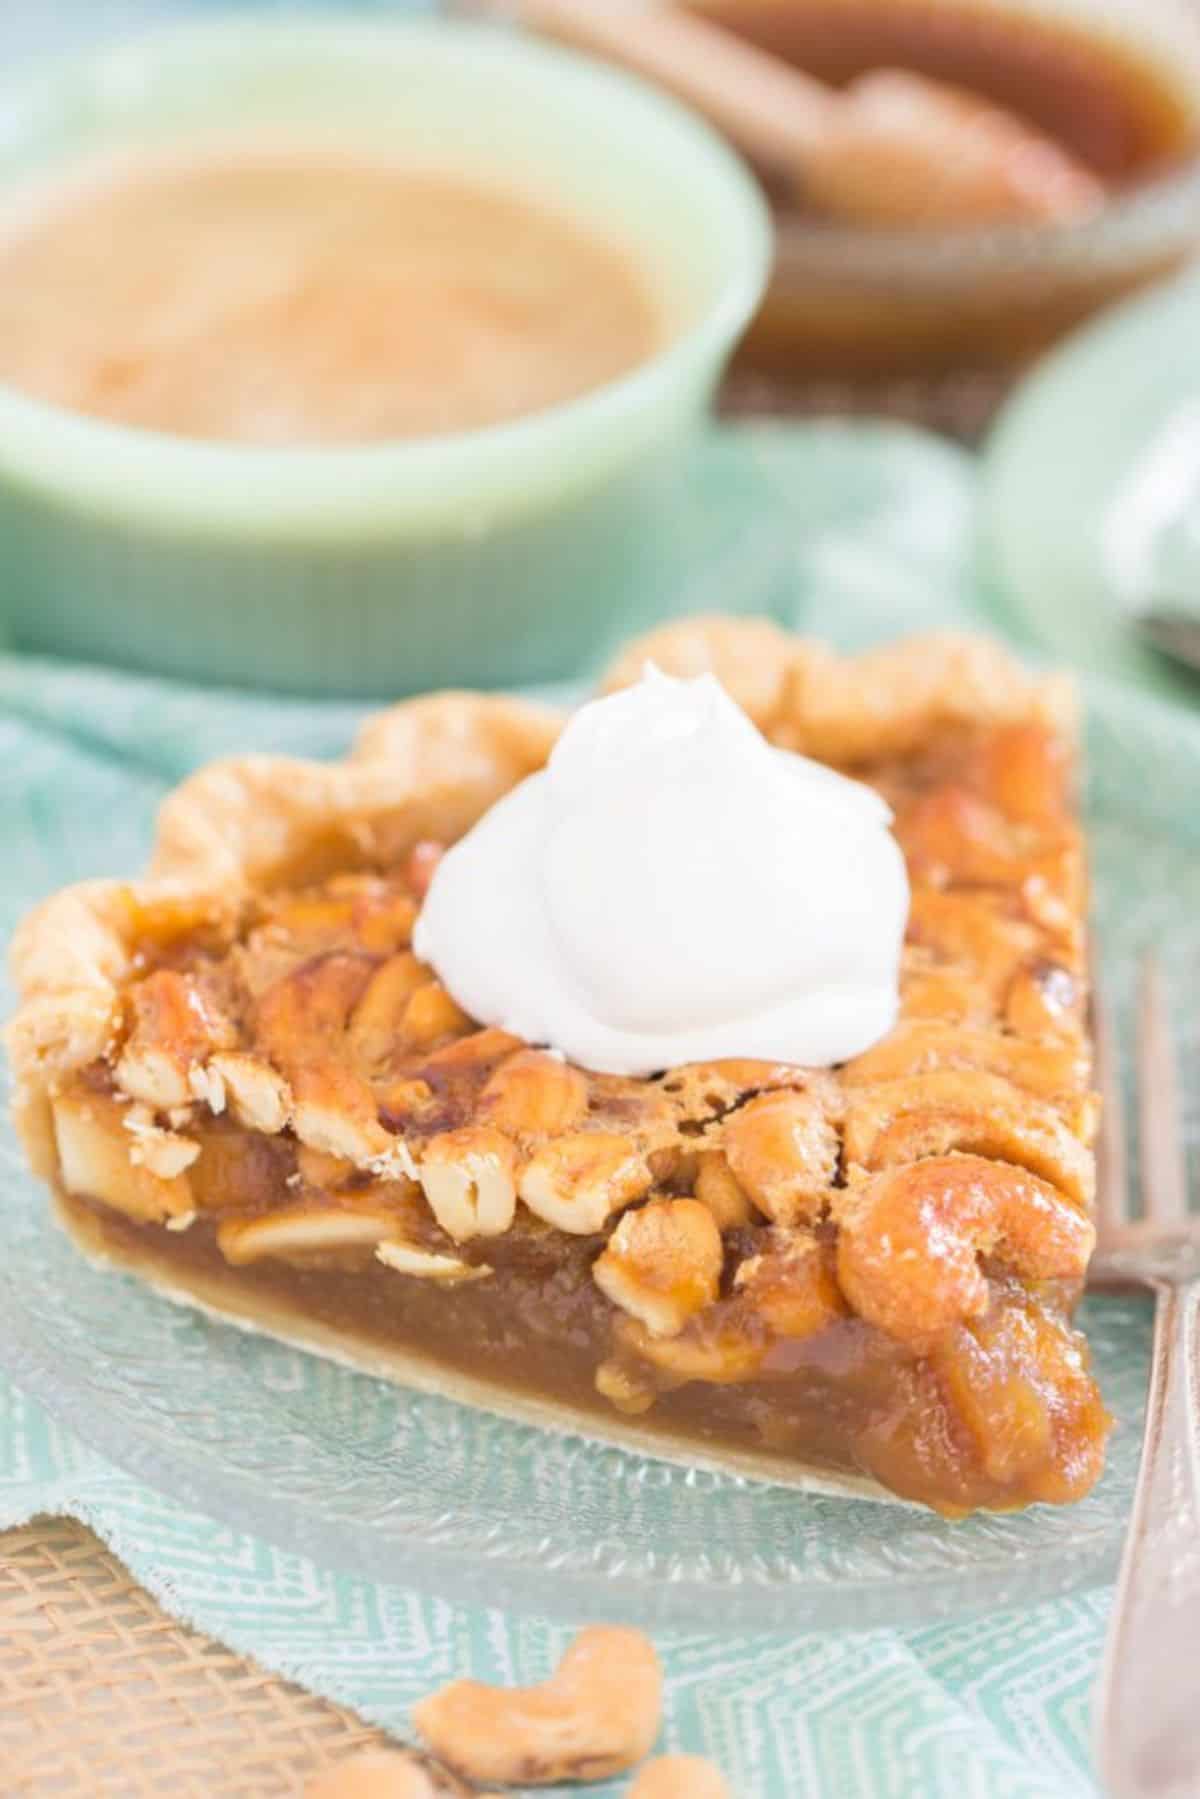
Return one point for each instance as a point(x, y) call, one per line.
point(911, 1240)
point(680, 1777)
point(783, 1152)
point(467, 1176)
point(387, 1774)
point(597, 1715)
point(532, 1094)
point(662, 1264)
point(375, 1774)
point(577, 1181)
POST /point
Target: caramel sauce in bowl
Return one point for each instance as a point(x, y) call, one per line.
point(401, 398)
point(284, 295)
point(1115, 82)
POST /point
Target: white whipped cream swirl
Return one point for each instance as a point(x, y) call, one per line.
point(673, 889)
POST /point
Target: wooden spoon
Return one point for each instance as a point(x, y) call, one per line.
point(892, 149)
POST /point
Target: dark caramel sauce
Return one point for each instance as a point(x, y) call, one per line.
point(1114, 106)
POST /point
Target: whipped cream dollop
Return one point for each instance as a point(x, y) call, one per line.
point(673, 889)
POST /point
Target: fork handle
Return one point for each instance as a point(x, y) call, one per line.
point(1149, 1699)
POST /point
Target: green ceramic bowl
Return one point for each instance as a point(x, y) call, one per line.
point(509, 554)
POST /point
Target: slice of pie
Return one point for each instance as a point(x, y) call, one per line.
point(243, 1086)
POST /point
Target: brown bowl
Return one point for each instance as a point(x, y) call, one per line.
point(1117, 80)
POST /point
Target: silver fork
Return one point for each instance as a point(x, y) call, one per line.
point(1148, 1704)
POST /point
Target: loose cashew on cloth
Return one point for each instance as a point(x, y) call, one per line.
point(376, 1774)
point(388, 1774)
point(680, 1777)
point(596, 1716)
point(385, 1774)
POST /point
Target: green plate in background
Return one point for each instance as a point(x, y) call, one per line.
point(1090, 491)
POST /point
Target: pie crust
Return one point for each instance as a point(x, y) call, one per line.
point(242, 1087)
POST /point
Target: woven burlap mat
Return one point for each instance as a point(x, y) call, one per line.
point(102, 1694)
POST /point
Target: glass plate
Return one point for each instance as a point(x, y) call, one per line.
point(1090, 484)
point(419, 1491)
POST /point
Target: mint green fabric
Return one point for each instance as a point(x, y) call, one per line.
point(990, 1709)
point(855, 532)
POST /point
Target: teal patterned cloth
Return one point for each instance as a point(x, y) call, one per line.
point(851, 531)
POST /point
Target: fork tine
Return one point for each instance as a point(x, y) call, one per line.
point(1164, 1174)
point(1112, 1193)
